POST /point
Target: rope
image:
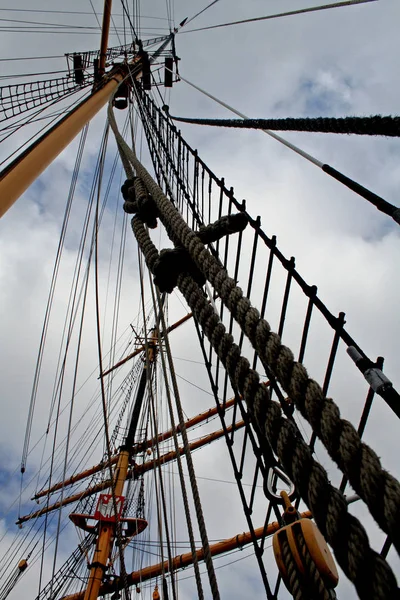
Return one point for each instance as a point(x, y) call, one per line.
point(118, 529)
point(192, 475)
point(381, 491)
point(357, 461)
point(316, 584)
point(374, 125)
point(377, 201)
point(306, 585)
point(293, 576)
point(285, 14)
point(362, 565)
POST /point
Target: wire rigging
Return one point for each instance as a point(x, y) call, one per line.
point(379, 203)
point(199, 13)
point(279, 15)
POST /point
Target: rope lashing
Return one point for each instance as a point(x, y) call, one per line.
point(379, 490)
point(172, 262)
point(196, 498)
point(138, 201)
point(224, 226)
point(370, 574)
point(374, 125)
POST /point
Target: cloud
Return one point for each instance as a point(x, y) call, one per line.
point(339, 62)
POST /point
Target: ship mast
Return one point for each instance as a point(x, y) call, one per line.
point(27, 167)
point(113, 528)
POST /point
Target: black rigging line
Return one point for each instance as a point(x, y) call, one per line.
point(126, 12)
point(199, 13)
point(277, 15)
point(375, 125)
point(71, 12)
point(32, 58)
point(80, 32)
point(45, 23)
point(379, 203)
point(95, 14)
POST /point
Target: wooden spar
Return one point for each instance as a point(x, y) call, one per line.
point(207, 439)
point(211, 412)
point(148, 444)
point(142, 348)
point(132, 473)
point(75, 478)
point(104, 36)
point(27, 167)
point(105, 538)
point(185, 560)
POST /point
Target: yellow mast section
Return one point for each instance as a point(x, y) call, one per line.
point(23, 171)
point(27, 167)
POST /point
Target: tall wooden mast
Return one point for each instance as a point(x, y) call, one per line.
point(27, 167)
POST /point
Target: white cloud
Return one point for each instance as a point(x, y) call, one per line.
point(346, 59)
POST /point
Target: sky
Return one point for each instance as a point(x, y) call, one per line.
point(334, 63)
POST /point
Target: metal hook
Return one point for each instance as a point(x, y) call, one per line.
point(274, 472)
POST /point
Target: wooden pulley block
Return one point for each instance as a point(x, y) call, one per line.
point(316, 546)
point(156, 593)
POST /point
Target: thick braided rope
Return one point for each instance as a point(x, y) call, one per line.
point(293, 575)
point(374, 125)
point(319, 591)
point(379, 490)
point(150, 253)
point(344, 533)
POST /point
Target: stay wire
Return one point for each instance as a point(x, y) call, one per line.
point(126, 12)
point(95, 14)
point(175, 439)
point(70, 12)
point(193, 482)
point(103, 393)
point(200, 12)
point(55, 273)
point(152, 421)
point(162, 492)
point(74, 384)
point(60, 384)
point(50, 298)
point(75, 296)
point(379, 203)
point(278, 15)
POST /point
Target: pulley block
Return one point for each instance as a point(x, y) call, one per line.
point(315, 548)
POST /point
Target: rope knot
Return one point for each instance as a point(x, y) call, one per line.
point(140, 202)
point(170, 264)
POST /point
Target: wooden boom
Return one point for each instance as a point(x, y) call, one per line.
point(132, 473)
point(142, 348)
point(211, 412)
point(185, 560)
